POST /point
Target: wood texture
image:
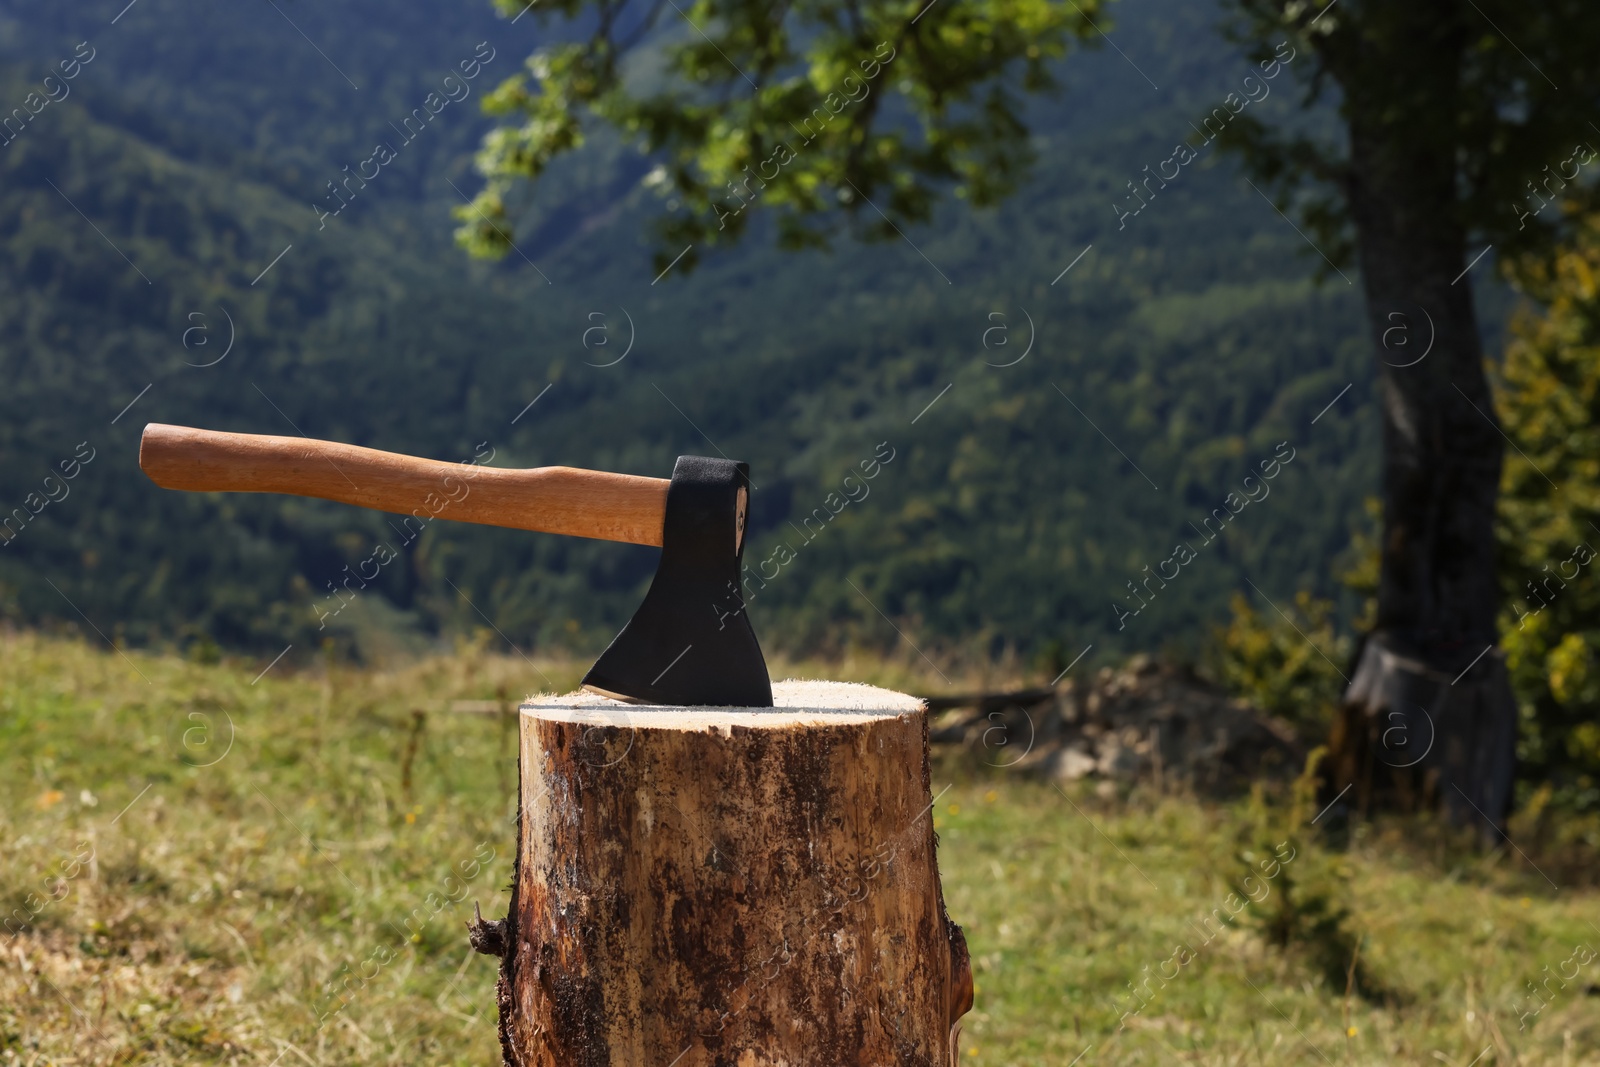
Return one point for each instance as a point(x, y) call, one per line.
point(561, 500)
point(728, 887)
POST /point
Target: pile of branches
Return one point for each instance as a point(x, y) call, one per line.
point(1145, 722)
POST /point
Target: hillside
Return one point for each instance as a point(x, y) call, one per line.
point(1184, 348)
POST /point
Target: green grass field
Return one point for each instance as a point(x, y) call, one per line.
point(208, 864)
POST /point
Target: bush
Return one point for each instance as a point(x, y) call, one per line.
point(1285, 664)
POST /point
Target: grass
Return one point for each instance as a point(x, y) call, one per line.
point(213, 862)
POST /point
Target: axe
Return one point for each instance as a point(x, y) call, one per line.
point(682, 647)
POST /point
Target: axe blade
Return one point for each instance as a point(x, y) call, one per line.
point(690, 642)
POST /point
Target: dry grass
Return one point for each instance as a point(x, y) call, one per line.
point(216, 864)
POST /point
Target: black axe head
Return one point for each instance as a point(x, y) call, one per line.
point(690, 642)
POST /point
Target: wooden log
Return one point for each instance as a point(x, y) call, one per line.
point(728, 887)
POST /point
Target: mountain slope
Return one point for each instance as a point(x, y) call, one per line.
point(1185, 346)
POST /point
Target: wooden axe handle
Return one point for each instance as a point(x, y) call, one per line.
point(562, 500)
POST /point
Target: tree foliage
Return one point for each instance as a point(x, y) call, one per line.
point(1549, 399)
point(800, 108)
point(1503, 89)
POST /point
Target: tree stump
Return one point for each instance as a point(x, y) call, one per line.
point(1412, 738)
point(728, 886)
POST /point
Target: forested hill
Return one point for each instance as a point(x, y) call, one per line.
point(182, 181)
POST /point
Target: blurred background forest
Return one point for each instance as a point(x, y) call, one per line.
point(1192, 336)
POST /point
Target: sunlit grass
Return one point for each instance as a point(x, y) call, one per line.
point(287, 896)
point(1066, 902)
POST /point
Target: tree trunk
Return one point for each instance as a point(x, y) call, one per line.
point(724, 886)
point(1429, 718)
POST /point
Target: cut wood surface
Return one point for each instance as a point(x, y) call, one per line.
point(728, 886)
point(560, 500)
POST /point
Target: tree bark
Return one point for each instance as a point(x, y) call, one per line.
point(723, 886)
point(1429, 718)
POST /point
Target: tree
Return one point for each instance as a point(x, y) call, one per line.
point(1462, 123)
point(1549, 393)
point(1457, 122)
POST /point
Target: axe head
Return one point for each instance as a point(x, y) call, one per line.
point(690, 642)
